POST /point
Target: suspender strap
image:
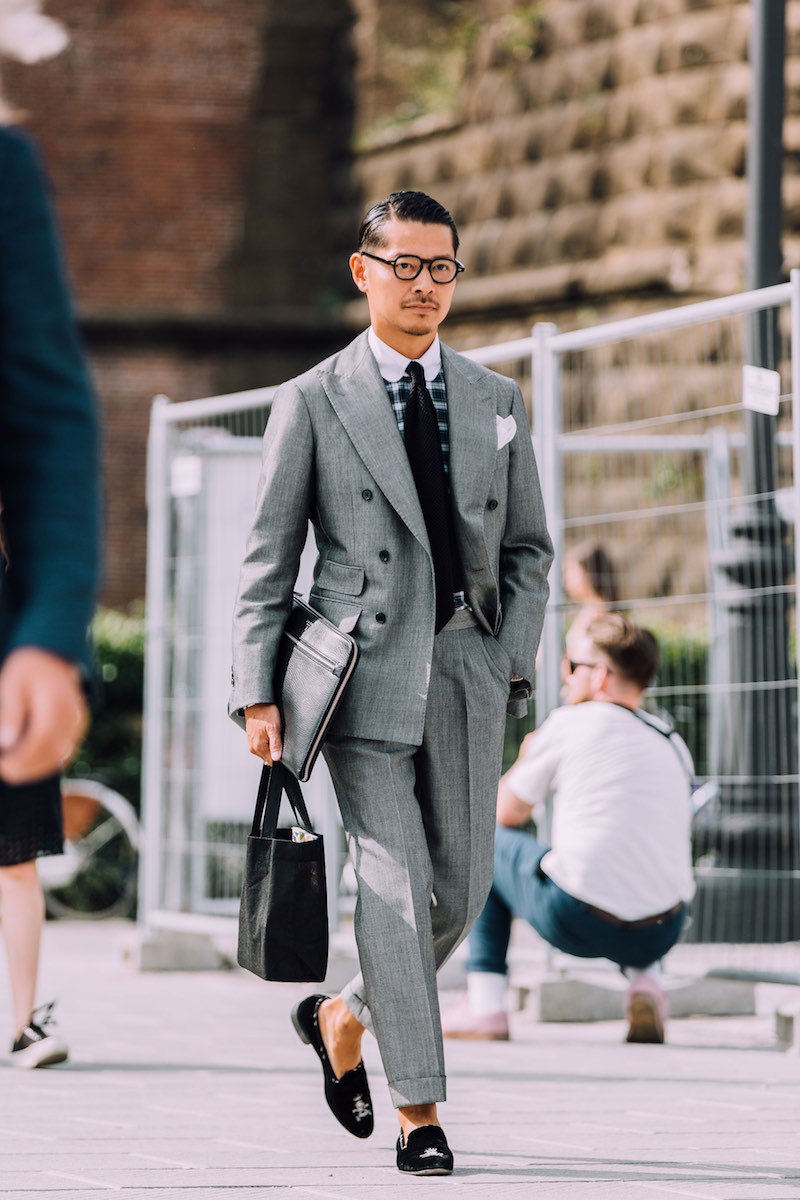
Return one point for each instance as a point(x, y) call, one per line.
point(669, 733)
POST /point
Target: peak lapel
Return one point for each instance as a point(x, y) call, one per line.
point(358, 397)
point(473, 432)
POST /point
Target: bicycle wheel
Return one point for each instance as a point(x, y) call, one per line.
point(96, 875)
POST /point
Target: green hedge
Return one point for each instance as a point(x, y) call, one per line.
point(679, 693)
point(112, 750)
point(516, 729)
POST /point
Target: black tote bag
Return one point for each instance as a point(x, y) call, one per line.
point(283, 917)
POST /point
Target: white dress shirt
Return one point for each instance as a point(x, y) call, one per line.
point(393, 365)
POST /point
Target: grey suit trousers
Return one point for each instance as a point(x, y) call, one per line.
point(420, 824)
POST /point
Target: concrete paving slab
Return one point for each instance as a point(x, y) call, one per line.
point(187, 1085)
point(579, 996)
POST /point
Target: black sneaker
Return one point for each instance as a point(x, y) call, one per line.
point(38, 1045)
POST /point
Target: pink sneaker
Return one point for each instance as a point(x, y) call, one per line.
point(646, 1010)
point(459, 1022)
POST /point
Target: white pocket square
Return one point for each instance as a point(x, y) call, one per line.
point(506, 428)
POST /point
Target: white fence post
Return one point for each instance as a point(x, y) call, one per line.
point(155, 674)
point(548, 427)
point(795, 343)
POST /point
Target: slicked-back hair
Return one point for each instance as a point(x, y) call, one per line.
point(405, 206)
point(631, 650)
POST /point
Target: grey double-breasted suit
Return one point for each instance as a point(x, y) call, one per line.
point(424, 713)
point(333, 453)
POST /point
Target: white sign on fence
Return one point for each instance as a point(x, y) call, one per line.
point(761, 390)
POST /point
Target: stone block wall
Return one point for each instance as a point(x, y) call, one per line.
point(601, 162)
point(595, 162)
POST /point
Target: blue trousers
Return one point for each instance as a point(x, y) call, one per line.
point(521, 889)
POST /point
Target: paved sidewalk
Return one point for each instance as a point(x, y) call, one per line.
point(194, 1085)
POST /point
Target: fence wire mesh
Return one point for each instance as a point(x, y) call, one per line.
point(204, 460)
point(645, 448)
point(690, 494)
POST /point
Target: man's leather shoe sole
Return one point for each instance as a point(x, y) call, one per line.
point(426, 1152)
point(348, 1098)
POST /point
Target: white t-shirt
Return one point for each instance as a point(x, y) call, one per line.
point(621, 808)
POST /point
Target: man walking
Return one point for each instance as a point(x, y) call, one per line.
point(615, 881)
point(416, 469)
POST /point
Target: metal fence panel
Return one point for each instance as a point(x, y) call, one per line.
point(693, 495)
point(199, 781)
point(644, 445)
point(199, 784)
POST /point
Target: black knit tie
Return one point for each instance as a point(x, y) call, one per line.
point(424, 450)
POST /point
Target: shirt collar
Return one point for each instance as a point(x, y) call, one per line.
point(393, 366)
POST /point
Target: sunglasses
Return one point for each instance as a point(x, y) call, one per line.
point(573, 666)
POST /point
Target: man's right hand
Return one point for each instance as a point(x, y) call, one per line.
point(263, 725)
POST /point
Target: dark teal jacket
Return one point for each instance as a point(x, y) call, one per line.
point(49, 471)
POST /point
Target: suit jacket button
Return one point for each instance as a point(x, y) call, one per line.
point(380, 618)
point(491, 504)
point(366, 494)
point(384, 556)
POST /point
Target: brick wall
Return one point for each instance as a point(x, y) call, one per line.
point(199, 214)
point(143, 123)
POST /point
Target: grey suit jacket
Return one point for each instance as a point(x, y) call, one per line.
point(333, 454)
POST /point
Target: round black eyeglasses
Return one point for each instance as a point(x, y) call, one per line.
point(408, 266)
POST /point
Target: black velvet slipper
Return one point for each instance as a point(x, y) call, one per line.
point(425, 1153)
point(348, 1098)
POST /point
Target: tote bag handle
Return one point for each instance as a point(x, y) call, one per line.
point(274, 781)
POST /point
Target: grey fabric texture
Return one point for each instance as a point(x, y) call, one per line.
point(415, 749)
point(420, 823)
point(333, 454)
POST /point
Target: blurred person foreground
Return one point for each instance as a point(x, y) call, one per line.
point(49, 490)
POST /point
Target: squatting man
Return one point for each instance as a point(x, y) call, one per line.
point(616, 878)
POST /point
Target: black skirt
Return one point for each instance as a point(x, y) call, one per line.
point(31, 824)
